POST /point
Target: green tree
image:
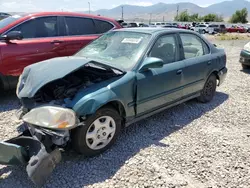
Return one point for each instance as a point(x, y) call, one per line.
point(194, 17)
point(183, 17)
point(240, 16)
point(212, 18)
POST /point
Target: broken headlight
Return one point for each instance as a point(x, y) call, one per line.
point(51, 117)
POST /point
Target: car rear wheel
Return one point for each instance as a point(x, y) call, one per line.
point(245, 66)
point(99, 132)
point(209, 90)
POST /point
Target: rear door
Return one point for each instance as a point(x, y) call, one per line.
point(37, 45)
point(198, 62)
point(80, 31)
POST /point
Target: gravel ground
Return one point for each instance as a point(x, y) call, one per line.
point(192, 145)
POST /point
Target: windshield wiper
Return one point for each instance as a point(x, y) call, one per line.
point(106, 67)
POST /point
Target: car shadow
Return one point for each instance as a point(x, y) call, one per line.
point(247, 71)
point(8, 101)
point(78, 170)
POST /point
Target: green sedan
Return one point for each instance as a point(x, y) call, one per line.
point(245, 57)
point(124, 76)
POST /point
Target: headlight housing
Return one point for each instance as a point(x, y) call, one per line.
point(51, 117)
point(247, 47)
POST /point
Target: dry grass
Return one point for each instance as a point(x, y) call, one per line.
point(232, 36)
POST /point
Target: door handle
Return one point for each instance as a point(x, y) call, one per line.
point(179, 72)
point(56, 41)
point(209, 63)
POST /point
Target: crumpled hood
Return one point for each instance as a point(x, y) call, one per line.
point(37, 75)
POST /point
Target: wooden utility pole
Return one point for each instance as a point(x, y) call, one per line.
point(89, 7)
point(177, 14)
point(122, 12)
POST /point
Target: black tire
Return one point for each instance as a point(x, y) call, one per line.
point(245, 66)
point(79, 142)
point(203, 31)
point(208, 92)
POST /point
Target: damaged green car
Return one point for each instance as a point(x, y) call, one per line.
point(85, 100)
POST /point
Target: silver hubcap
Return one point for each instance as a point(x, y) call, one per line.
point(100, 132)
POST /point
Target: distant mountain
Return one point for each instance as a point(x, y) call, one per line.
point(227, 8)
point(157, 9)
point(167, 12)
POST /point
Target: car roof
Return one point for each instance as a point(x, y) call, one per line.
point(65, 14)
point(153, 30)
point(26, 16)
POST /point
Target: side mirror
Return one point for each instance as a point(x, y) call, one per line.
point(150, 63)
point(13, 35)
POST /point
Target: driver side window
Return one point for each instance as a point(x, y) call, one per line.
point(165, 49)
point(38, 28)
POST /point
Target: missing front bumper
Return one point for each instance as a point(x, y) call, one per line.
point(12, 154)
point(29, 150)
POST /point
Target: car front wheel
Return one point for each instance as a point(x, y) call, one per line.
point(209, 90)
point(99, 132)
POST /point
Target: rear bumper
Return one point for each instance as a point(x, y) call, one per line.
point(222, 75)
point(245, 57)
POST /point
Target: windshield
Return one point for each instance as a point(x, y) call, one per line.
point(120, 49)
point(8, 20)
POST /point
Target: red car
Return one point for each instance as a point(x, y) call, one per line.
point(236, 29)
point(30, 38)
point(182, 26)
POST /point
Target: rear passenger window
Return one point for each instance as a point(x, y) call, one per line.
point(193, 46)
point(79, 26)
point(102, 26)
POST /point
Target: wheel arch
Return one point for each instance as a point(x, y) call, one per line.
point(117, 105)
point(215, 72)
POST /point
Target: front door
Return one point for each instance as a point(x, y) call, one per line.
point(40, 42)
point(161, 86)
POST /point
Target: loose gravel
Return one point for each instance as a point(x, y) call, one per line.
point(192, 145)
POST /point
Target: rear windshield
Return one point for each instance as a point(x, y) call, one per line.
point(8, 20)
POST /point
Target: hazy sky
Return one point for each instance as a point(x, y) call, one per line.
point(81, 5)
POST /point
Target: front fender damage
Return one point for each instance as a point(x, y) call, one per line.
point(27, 150)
